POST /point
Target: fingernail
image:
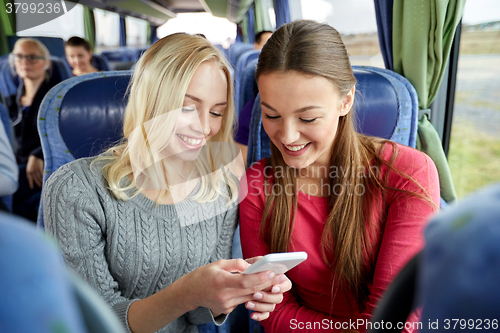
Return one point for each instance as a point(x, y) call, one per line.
point(282, 278)
point(257, 296)
point(254, 316)
point(275, 289)
point(270, 275)
point(250, 305)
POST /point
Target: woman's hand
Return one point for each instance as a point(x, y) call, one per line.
point(217, 287)
point(264, 302)
point(34, 171)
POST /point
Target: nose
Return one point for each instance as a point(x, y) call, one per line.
point(289, 133)
point(203, 124)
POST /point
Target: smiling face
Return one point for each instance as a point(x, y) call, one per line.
point(204, 105)
point(78, 57)
point(300, 113)
point(31, 70)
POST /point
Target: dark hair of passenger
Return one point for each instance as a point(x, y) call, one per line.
point(313, 48)
point(76, 41)
point(258, 36)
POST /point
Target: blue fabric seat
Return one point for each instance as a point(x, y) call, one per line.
point(4, 117)
point(39, 294)
point(386, 106)
point(248, 85)
point(100, 62)
point(235, 50)
point(241, 64)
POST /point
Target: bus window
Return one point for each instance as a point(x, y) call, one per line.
point(65, 26)
point(474, 153)
point(106, 28)
point(216, 29)
point(355, 21)
point(136, 32)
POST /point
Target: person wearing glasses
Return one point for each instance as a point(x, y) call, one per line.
point(31, 61)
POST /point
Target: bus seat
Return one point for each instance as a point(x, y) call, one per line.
point(100, 62)
point(81, 117)
point(386, 106)
point(9, 81)
point(4, 116)
point(235, 50)
point(39, 294)
point(456, 274)
point(248, 89)
point(241, 64)
point(55, 45)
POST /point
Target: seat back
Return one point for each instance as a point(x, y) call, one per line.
point(386, 106)
point(39, 294)
point(4, 117)
point(241, 64)
point(55, 45)
point(236, 49)
point(81, 117)
point(248, 88)
point(100, 62)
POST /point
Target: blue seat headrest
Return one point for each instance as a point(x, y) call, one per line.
point(91, 117)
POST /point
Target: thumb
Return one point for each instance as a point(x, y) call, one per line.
point(234, 265)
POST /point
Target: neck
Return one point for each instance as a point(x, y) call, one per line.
point(85, 70)
point(31, 86)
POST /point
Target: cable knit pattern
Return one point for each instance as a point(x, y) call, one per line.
point(128, 250)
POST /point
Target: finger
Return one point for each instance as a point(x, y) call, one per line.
point(233, 265)
point(284, 285)
point(253, 260)
point(264, 297)
point(251, 283)
point(260, 307)
point(38, 180)
point(259, 316)
point(30, 179)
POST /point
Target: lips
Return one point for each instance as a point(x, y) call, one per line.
point(296, 150)
point(189, 141)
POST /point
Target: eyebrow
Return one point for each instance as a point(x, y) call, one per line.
point(296, 111)
point(196, 99)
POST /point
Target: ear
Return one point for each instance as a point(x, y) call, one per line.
point(347, 102)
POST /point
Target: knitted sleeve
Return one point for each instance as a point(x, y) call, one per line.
point(74, 215)
point(227, 226)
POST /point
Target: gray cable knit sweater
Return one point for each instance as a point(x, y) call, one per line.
point(128, 250)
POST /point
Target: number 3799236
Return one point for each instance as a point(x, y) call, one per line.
point(34, 8)
point(476, 324)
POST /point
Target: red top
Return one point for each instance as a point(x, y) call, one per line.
point(311, 308)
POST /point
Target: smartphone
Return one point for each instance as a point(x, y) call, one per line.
point(276, 262)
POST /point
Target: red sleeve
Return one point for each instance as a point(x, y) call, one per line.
point(407, 217)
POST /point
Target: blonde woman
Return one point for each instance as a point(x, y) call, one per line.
point(148, 222)
point(356, 204)
point(31, 61)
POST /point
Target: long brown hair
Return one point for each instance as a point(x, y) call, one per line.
point(312, 48)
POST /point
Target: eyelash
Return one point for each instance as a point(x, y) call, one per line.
point(215, 114)
point(308, 121)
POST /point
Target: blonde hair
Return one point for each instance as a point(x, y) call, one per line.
point(158, 85)
point(41, 48)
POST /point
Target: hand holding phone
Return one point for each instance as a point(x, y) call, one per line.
point(277, 262)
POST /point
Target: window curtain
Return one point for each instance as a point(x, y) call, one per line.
point(383, 11)
point(422, 59)
point(7, 25)
point(89, 25)
point(123, 32)
point(282, 12)
point(262, 21)
point(152, 33)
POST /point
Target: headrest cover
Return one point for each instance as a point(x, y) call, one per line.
point(460, 272)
